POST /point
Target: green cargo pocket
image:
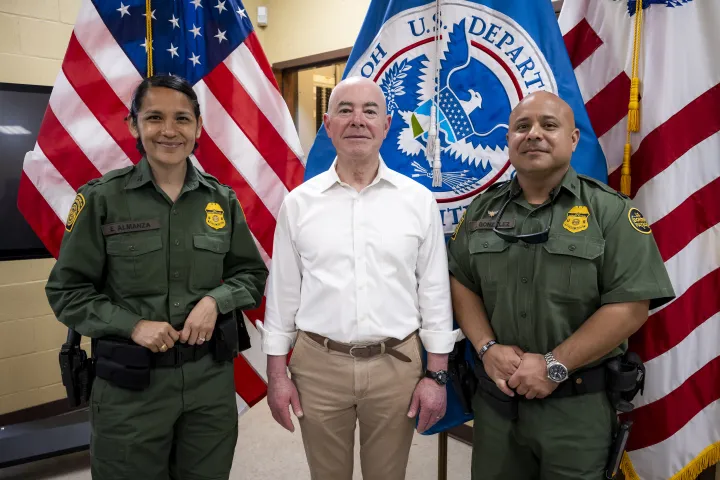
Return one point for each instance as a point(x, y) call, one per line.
point(208, 257)
point(490, 261)
point(136, 263)
point(571, 268)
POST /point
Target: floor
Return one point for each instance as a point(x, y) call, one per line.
point(265, 451)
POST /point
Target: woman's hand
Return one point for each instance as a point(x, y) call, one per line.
point(157, 336)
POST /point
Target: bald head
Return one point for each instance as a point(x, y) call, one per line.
point(547, 101)
point(369, 89)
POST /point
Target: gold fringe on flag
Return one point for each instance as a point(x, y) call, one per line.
point(148, 37)
point(634, 105)
point(707, 458)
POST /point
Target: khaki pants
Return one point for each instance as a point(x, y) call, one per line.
point(336, 390)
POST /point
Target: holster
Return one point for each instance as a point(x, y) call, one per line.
point(462, 376)
point(76, 369)
point(226, 338)
point(626, 377)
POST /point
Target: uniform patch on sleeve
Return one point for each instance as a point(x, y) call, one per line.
point(638, 222)
point(457, 227)
point(75, 209)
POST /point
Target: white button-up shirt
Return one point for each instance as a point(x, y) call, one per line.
point(359, 267)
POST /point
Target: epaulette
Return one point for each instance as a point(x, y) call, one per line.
point(497, 185)
point(111, 175)
point(603, 186)
point(212, 178)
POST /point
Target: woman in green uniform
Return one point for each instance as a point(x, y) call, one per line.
point(152, 255)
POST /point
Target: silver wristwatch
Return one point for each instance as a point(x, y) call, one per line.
point(556, 371)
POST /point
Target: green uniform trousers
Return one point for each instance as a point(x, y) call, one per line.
point(552, 439)
point(182, 427)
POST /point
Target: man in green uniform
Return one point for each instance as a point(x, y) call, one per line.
point(153, 265)
point(551, 273)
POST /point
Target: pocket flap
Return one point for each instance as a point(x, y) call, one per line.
point(212, 243)
point(582, 247)
point(122, 246)
point(484, 243)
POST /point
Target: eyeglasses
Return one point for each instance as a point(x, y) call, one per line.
point(530, 238)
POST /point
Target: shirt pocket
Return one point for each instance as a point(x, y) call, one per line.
point(490, 263)
point(136, 263)
point(208, 257)
point(570, 271)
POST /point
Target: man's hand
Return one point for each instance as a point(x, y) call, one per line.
point(200, 323)
point(501, 362)
point(157, 336)
point(531, 378)
point(282, 393)
point(431, 400)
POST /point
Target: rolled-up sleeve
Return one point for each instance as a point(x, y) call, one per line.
point(283, 296)
point(436, 330)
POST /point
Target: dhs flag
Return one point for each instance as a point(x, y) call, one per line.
point(468, 62)
point(489, 54)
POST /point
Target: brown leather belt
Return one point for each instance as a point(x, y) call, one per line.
point(363, 351)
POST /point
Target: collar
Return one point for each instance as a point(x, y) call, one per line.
point(142, 174)
point(330, 177)
point(570, 182)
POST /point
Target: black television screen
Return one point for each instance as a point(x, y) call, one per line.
point(22, 108)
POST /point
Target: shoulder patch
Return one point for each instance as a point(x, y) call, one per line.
point(75, 209)
point(638, 222)
point(457, 227)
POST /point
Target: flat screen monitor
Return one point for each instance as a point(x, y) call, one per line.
point(22, 108)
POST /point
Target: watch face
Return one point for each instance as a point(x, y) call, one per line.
point(557, 372)
point(442, 378)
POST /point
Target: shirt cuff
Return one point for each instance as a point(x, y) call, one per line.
point(440, 342)
point(275, 343)
point(124, 322)
point(223, 295)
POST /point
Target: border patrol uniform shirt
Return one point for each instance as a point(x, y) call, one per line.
point(129, 253)
point(600, 250)
point(359, 267)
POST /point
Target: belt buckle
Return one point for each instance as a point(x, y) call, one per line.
point(358, 347)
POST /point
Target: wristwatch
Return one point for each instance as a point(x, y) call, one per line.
point(441, 376)
point(484, 348)
point(556, 371)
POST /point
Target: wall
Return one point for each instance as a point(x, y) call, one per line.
point(33, 38)
point(315, 26)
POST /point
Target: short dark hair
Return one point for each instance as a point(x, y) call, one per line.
point(174, 82)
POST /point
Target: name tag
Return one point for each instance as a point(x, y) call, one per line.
point(489, 224)
point(128, 227)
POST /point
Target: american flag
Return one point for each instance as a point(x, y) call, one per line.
point(249, 141)
point(676, 183)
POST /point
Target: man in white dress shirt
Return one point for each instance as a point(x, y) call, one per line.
point(359, 279)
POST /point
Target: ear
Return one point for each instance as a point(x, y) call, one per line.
point(132, 127)
point(198, 132)
point(575, 138)
point(386, 129)
point(326, 123)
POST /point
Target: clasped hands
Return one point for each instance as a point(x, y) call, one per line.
point(515, 371)
point(161, 336)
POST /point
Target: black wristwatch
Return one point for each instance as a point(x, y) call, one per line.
point(441, 376)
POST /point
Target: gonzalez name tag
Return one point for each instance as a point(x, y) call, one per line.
point(488, 224)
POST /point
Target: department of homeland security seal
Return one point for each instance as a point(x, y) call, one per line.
point(487, 64)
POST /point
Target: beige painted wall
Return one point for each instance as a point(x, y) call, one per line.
point(34, 35)
point(315, 26)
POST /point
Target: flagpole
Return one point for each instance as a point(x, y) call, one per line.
point(442, 455)
point(148, 37)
